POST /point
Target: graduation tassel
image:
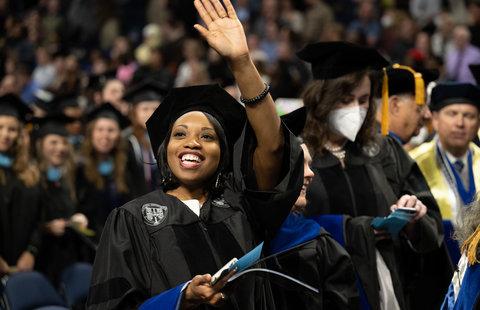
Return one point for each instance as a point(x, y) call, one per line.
point(470, 247)
point(385, 115)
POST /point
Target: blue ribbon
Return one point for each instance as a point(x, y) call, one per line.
point(54, 174)
point(467, 195)
point(5, 161)
point(105, 167)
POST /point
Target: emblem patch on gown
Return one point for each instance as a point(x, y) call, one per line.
point(220, 202)
point(154, 214)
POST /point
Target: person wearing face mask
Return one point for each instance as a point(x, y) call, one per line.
point(60, 246)
point(144, 98)
point(360, 175)
point(103, 181)
point(304, 250)
point(20, 203)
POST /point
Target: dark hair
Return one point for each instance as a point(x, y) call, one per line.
point(321, 96)
point(216, 184)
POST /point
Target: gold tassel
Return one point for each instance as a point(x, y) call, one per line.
point(470, 247)
point(419, 83)
point(385, 116)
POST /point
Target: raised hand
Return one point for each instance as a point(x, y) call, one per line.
point(224, 32)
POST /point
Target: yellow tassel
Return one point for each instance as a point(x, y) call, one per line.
point(470, 247)
point(385, 116)
point(419, 83)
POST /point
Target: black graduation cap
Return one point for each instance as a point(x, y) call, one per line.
point(106, 110)
point(331, 60)
point(12, 105)
point(211, 99)
point(295, 120)
point(146, 90)
point(404, 80)
point(50, 124)
point(449, 93)
point(97, 81)
point(475, 69)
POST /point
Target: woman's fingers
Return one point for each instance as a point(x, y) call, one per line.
point(219, 8)
point(210, 9)
point(230, 9)
point(202, 12)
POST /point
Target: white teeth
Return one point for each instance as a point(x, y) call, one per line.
point(191, 157)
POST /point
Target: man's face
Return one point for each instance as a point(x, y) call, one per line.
point(410, 117)
point(456, 125)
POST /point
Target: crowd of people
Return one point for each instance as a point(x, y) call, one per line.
point(123, 145)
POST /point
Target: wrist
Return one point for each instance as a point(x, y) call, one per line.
point(240, 62)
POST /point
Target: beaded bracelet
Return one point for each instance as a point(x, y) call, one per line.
point(257, 99)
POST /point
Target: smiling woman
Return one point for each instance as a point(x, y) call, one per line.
point(102, 178)
point(229, 178)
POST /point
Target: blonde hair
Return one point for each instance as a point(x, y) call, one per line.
point(90, 156)
point(22, 166)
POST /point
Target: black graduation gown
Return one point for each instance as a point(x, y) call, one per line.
point(95, 203)
point(136, 261)
point(366, 188)
point(58, 252)
point(136, 170)
point(20, 208)
point(323, 264)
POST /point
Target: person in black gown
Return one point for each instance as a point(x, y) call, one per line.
point(60, 244)
point(102, 179)
point(361, 175)
point(224, 191)
point(306, 251)
point(144, 98)
point(20, 203)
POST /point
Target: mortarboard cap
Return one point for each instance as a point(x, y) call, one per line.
point(147, 90)
point(295, 120)
point(331, 60)
point(97, 81)
point(12, 105)
point(50, 124)
point(475, 69)
point(211, 99)
point(106, 110)
point(451, 93)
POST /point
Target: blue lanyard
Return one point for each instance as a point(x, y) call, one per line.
point(467, 196)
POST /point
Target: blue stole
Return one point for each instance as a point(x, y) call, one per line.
point(168, 300)
point(467, 195)
point(470, 289)
point(5, 161)
point(295, 230)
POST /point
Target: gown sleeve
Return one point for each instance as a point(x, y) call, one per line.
point(339, 288)
point(267, 210)
point(405, 177)
point(122, 264)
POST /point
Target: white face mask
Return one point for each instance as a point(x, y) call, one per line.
point(347, 121)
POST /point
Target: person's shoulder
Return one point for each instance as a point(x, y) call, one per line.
point(423, 151)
